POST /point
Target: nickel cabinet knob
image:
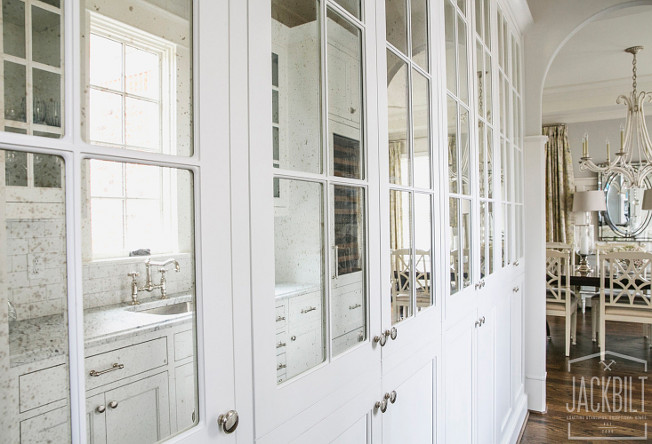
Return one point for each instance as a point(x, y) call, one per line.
point(229, 421)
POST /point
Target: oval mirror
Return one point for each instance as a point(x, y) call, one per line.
point(625, 215)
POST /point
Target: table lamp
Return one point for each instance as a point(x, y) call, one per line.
point(587, 202)
point(647, 200)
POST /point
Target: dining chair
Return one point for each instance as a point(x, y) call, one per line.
point(626, 298)
point(401, 281)
point(560, 300)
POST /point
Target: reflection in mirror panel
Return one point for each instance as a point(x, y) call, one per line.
point(483, 239)
point(419, 26)
point(299, 286)
point(137, 75)
point(400, 244)
point(32, 96)
point(397, 115)
point(138, 285)
point(34, 373)
point(454, 240)
point(348, 285)
point(352, 6)
point(396, 27)
point(423, 250)
point(296, 67)
point(465, 151)
point(451, 49)
point(345, 109)
point(462, 53)
point(421, 129)
point(490, 236)
point(453, 165)
point(465, 242)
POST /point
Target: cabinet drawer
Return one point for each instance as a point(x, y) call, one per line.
point(348, 309)
point(43, 387)
point(304, 351)
point(347, 341)
point(281, 315)
point(281, 342)
point(135, 359)
point(53, 426)
point(183, 345)
point(305, 312)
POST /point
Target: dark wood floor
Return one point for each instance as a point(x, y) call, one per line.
point(588, 425)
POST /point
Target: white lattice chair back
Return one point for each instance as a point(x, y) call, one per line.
point(563, 247)
point(401, 271)
point(629, 278)
point(557, 275)
point(422, 269)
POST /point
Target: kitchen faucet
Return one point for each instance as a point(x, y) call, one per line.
point(149, 286)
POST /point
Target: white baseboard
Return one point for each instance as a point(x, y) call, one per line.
point(515, 423)
point(535, 388)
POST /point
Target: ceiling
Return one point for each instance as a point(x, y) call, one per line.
point(592, 69)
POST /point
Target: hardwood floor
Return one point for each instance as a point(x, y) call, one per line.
point(612, 413)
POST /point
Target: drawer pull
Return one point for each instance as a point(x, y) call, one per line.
point(280, 318)
point(281, 366)
point(281, 344)
point(353, 307)
point(113, 404)
point(308, 310)
point(293, 338)
point(100, 409)
point(114, 367)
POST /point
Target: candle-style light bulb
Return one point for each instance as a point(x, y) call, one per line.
point(586, 143)
point(622, 136)
point(608, 152)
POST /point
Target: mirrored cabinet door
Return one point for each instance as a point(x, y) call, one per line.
point(33, 298)
point(139, 300)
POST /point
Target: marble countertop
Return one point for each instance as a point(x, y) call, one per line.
point(33, 340)
point(292, 289)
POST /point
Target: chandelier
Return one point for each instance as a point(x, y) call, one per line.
point(634, 139)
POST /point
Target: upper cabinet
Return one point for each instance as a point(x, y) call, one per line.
point(32, 59)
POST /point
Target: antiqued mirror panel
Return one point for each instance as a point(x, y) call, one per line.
point(32, 47)
point(345, 105)
point(34, 375)
point(348, 282)
point(396, 25)
point(401, 251)
point(139, 298)
point(299, 285)
point(454, 241)
point(421, 129)
point(423, 277)
point(398, 120)
point(137, 75)
point(296, 88)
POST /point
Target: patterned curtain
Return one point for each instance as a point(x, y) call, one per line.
point(395, 201)
point(560, 185)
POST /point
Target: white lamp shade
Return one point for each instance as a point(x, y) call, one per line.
point(591, 201)
point(647, 200)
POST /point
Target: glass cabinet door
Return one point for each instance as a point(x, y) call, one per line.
point(409, 156)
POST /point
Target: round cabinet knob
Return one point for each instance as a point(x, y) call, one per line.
point(113, 404)
point(100, 409)
point(393, 333)
point(382, 339)
point(392, 396)
point(381, 405)
point(229, 421)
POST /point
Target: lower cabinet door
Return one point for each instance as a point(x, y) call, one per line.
point(459, 381)
point(486, 375)
point(96, 419)
point(410, 418)
point(139, 412)
point(47, 427)
point(184, 382)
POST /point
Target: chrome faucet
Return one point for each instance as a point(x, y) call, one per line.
point(149, 286)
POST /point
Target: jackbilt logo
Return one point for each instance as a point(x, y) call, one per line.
point(599, 401)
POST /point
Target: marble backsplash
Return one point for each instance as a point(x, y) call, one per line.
point(36, 271)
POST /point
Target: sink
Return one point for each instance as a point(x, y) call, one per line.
point(171, 309)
